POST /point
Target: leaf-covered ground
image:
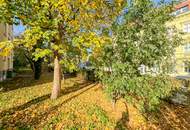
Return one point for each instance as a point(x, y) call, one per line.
point(25, 104)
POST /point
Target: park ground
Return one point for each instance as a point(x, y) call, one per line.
point(26, 104)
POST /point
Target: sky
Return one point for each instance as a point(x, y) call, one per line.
point(159, 0)
point(20, 28)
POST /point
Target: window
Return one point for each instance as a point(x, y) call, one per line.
point(181, 10)
point(142, 69)
point(177, 12)
point(4, 58)
point(187, 67)
point(184, 9)
point(170, 31)
point(4, 75)
point(1, 76)
point(186, 27)
point(5, 30)
point(9, 62)
point(187, 48)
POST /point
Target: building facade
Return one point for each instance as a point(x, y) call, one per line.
point(182, 53)
point(6, 62)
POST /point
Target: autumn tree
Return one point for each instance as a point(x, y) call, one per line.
point(141, 39)
point(24, 57)
point(68, 25)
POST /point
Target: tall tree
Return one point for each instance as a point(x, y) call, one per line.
point(23, 57)
point(141, 39)
point(68, 25)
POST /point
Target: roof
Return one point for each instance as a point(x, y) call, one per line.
point(183, 4)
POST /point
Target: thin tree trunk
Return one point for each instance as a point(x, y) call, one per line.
point(37, 68)
point(57, 79)
point(30, 61)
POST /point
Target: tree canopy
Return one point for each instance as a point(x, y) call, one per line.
point(67, 27)
point(142, 39)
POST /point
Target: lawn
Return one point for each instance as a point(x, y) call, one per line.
point(25, 104)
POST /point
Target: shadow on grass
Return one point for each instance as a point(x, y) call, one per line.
point(122, 124)
point(22, 120)
point(173, 117)
point(168, 117)
point(23, 81)
point(26, 80)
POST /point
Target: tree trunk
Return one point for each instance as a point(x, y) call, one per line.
point(57, 79)
point(37, 68)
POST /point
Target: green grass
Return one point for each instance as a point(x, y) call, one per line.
point(99, 113)
point(25, 104)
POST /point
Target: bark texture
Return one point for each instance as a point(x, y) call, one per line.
point(57, 79)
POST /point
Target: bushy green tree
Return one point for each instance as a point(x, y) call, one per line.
point(142, 39)
point(68, 25)
point(19, 59)
point(24, 57)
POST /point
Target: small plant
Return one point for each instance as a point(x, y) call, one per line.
point(54, 121)
point(100, 114)
point(74, 127)
point(98, 118)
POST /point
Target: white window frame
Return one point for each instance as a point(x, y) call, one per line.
point(184, 9)
point(186, 67)
point(186, 27)
point(181, 10)
point(187, 48)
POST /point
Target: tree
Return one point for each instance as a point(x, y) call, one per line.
point(24, 57)
point(35, 65)
point(142, 39)
point(68, 25)
point(20, 60)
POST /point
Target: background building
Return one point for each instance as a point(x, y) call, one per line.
point(182, 53)
point(6, 62)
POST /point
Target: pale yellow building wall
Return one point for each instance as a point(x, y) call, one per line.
point(6, 63)
point(180, 54)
